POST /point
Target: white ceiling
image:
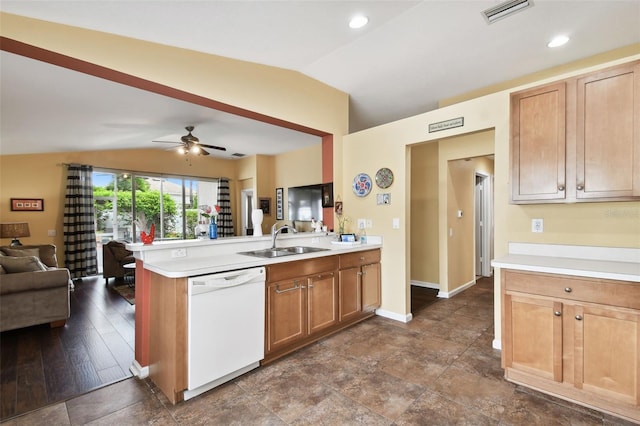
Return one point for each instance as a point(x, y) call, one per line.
point(412, 54)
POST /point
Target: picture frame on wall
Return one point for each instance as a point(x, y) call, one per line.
point(27, 204)
point(327, 195)
point(265, 206)
point(279, 203)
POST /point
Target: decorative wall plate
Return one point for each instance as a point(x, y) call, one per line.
point(362, 185)
point(384, 178)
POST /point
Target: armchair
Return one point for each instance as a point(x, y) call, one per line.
point(114, 257)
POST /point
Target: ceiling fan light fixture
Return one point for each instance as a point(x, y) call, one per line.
point(181, 150)
point(358, 21)
point(195, 149)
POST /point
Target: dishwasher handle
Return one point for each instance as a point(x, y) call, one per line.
point(213, 282)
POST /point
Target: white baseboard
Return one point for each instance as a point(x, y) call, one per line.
point(448, 294)
point(138, 370)
point(394, 316)
point(497, 344)
point(425, 284)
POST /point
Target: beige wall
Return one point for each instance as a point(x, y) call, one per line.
point(424, 214)
point(487, 117)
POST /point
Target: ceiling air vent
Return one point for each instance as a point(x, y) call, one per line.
point(505, 9)
point(237, 154)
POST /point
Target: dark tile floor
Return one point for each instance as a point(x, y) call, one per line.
point(439, 369)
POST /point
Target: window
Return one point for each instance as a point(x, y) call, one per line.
point(127, 203)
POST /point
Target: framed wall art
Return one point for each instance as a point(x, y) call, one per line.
point(265, 206)
point(279, 204)
point(27, 204)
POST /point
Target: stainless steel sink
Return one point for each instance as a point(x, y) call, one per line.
point(302, 249)
point(282, 251)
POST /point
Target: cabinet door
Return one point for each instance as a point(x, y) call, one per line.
point(350, 304)
point(533, 336)
point(322, 296)
point(608, 134)
point(286, 313)
point(371, 298)
point(607, 358)
point(538, 143)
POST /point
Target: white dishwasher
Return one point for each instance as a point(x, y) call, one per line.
point(225, 327)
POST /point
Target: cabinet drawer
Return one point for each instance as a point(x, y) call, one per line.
point(351, 260)
point(608, 292)
point(301, 268)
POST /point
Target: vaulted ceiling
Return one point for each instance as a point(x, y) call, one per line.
point(411, 55)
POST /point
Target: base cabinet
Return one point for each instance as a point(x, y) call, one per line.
point(574, 337)
point(307, 300)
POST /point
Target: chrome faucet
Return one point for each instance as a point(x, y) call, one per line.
point(275, 232)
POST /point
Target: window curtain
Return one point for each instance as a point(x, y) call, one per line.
point(225, 217)
point(79, 227)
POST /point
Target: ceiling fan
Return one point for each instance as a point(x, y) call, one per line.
point(190, 144)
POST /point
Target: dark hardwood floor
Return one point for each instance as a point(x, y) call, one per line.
point(40, 365)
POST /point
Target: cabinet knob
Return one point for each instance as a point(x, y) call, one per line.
point(557, 313)
point(567, 289)
point(579, 317)
point(580, 186)
point(561, 187)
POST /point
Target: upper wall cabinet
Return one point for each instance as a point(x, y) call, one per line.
point(578, 140)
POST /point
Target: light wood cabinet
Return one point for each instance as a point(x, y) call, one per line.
point(578, 140)
point(359, 283)
point(574, 337)
point(608, 134)
point(538, 143)
point(309, 299)
point(301, 302)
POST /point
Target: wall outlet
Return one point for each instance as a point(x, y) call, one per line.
point(369, 223)
point(537, 225)
point(362, 223)
point(179, 252)
point(395, 224)
point(51, 233)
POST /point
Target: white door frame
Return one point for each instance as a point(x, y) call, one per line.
point(245, 208)
point(484, 224)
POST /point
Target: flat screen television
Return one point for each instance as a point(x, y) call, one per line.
point(306, 202)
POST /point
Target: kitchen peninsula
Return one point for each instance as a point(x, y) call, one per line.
point(311, 286)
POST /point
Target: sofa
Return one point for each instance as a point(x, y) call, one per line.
point(114, 256)
point(33, 290)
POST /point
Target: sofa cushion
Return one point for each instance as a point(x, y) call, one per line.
point(2, 270)
point(47, 252)
point(14, 265)
point(22, 252)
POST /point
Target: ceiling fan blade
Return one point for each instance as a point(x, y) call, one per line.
point(204, 152)
point(219, 148)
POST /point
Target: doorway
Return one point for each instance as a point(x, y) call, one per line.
point(245, 210)
point(483, 207)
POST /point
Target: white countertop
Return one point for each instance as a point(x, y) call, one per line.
point(584, 261)
point(212, 256)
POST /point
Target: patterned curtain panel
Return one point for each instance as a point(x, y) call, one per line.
point(225, 218)
point(79, 227)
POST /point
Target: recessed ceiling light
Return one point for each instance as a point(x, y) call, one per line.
point(358, 21)
point(558, 41)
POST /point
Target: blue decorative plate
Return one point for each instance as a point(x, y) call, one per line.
point(362, 185)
